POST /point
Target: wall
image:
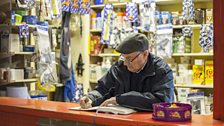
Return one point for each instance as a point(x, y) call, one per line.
point(80, 45)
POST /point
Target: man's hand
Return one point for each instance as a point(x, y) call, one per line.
point(112, 101)
point(85, 102)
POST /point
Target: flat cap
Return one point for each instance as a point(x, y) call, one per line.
point(133, 43)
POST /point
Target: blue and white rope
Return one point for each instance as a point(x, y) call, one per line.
point(85, 7)
point(24, 31)
point(187, 31)
point(107, 24)
point(188, 10)
point(206, 36)
point(132, 12)
point(75, 4)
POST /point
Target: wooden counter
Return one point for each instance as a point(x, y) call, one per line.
point(24, 112)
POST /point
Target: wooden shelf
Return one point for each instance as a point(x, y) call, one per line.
point(93, 81)
point(192, 54)
point(5, 54)
point(158, 2)
point(115, 5)
point(195, 26)
point(193, 86)
point(106, 55)
point(4, 82)
point(95, 31)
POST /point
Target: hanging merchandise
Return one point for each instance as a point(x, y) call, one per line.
point(85, 7)
point(70, 88)
point(206, 37)
point(79, 66)
point(28, 4)
point(108, 18)
point(24, 31)
point(65, 5)
point(131, 12)
point(45, 10)
point(65, 46)
point(78, 92)
point(46, 66)
point(188, 11)
point(163, 42)
point(75, 6)
point(147, 14)
point(115, 37)
point(187, 34)
point(56, 8)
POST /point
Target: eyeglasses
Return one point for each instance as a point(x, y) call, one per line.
point(128, 60)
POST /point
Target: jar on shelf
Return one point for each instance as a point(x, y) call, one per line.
point(98, 21)
point(93, 21)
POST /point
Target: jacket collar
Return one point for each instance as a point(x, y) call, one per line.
point(149, 69)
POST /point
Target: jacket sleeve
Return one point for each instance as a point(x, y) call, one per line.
point(162, 91)
point(104, 90)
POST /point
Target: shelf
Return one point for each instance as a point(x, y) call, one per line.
point(2, 82)
point(95, 31)
point(158, 2)
point(195, 26)
point(93, 81)
point(193, 86)
point(5, 54)
point(192, 54)
point(115, 5)
point(105, 54)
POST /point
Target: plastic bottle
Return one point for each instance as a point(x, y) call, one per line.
point(119, 20)
point(98, 21)
point(93, 21)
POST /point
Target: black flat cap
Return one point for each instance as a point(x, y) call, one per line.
point(133, 43)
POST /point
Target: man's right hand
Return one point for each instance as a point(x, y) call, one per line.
point(85, 102)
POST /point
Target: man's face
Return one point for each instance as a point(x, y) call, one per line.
point(134, 61)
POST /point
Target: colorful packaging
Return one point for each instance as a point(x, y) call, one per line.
point(198, 74)
point(108, 19)
point(75, 6)
point(85, 6)
point(209, 72)
point(132, 12)
point(206, 37)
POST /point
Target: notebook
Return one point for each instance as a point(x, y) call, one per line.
point(114, 109)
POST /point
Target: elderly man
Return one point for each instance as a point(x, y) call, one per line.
point(136, 81)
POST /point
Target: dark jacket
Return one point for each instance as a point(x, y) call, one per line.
point(136, 90)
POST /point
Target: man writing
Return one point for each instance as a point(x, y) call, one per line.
point(136, 81)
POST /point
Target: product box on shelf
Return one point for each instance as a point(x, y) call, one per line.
point(198, 74)
point(209, 72)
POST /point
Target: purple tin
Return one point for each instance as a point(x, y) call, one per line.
point(178, 113)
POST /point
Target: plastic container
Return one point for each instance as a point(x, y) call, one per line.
point(119, 20)
point(30, 19)
point(18, 19)
point(97, 2)
point(28, 48)
point(93, 21)
point(98, 21)
point(172, 112)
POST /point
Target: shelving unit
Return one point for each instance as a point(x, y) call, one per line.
point(106, 55)
point(193, 54)
point(15, 60)
point(193, 86)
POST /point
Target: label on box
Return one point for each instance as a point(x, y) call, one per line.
point(209, 72)
point(198, 74)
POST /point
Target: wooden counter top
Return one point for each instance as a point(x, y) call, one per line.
point(60, 110)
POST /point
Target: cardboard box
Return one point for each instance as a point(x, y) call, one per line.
point(209, 72)
point(198, 74)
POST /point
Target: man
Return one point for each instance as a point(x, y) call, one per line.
point(137, 80)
